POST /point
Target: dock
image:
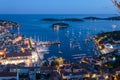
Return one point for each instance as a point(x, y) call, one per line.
point(50, 43)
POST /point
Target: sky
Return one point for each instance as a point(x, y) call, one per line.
point(57, 7)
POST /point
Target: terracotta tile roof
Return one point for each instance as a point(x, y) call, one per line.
point(117, 69)
point(30, 68)
point(7, 74)
point(72, 73)
point(18, 54)
point(47, 68)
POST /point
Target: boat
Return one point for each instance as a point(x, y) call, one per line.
point(60, 52)
point(79, 55)
point(42, 50)
point(79, 48)
point(49, 43)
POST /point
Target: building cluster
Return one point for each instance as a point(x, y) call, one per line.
point(29, 73)
point(15, 48)
point(8, 24)
point(19, 60)
point(87, 69)
point(109, 46)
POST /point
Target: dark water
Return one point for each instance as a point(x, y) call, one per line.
point(32, 26)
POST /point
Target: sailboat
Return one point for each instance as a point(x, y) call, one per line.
point(60, 52)
point(42, 50)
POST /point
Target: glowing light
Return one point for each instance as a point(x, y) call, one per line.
point(106, 77)
point(18, 57)
point(17, 39)
point(108, 46)
point(23, 50)
point(94, 76)
point(1, 53)
point(87, 75)
point(114, 58)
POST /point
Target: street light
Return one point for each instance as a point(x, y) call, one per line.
point(94, 76)
point(106, 77)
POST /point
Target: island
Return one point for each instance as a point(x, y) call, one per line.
point(113, 18)
point(80, 20)
point(65, 19)
point(73, 19)
point(93, 18)
point(97, 18)
point(50, 19)
point(58, 26)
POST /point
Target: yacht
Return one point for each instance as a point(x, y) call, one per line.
point(42, 50)
point(60, 52)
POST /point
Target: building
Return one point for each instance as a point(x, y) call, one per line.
point(108, 46)
point(8, 76)
point(27, 58)
point(72, 75)
point(26, 73)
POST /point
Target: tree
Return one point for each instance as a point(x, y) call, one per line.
point(116, 3)
point(54, 64)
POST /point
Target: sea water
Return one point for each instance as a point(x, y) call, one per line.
point(74, 39)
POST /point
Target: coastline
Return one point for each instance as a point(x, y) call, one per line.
point(93, 61)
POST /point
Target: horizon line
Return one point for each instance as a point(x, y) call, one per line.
point(59, 13)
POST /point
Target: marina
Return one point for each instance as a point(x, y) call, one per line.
point(59, 40)
point(77, 39)
point(70, 50)
point(48, 43)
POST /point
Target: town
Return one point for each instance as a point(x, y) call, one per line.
point(20, 59)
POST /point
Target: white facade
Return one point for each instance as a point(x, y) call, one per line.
point(108, 46)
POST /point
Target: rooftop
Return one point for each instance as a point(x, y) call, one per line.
point(18, 54)
point(7, 74)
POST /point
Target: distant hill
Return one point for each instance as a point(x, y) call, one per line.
point(108, 18)
point(93, 18)
point(113, 18)
point(80, 20)
point(65, 19)
point(50, 19)
point(72, 19)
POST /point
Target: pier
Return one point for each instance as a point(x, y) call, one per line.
point(49, 43)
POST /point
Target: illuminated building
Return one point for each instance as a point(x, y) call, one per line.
point(17, 58)
point(2, 53)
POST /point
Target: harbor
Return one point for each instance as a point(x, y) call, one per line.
point(64, 52)
point(60, 40)
point(48, 43)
